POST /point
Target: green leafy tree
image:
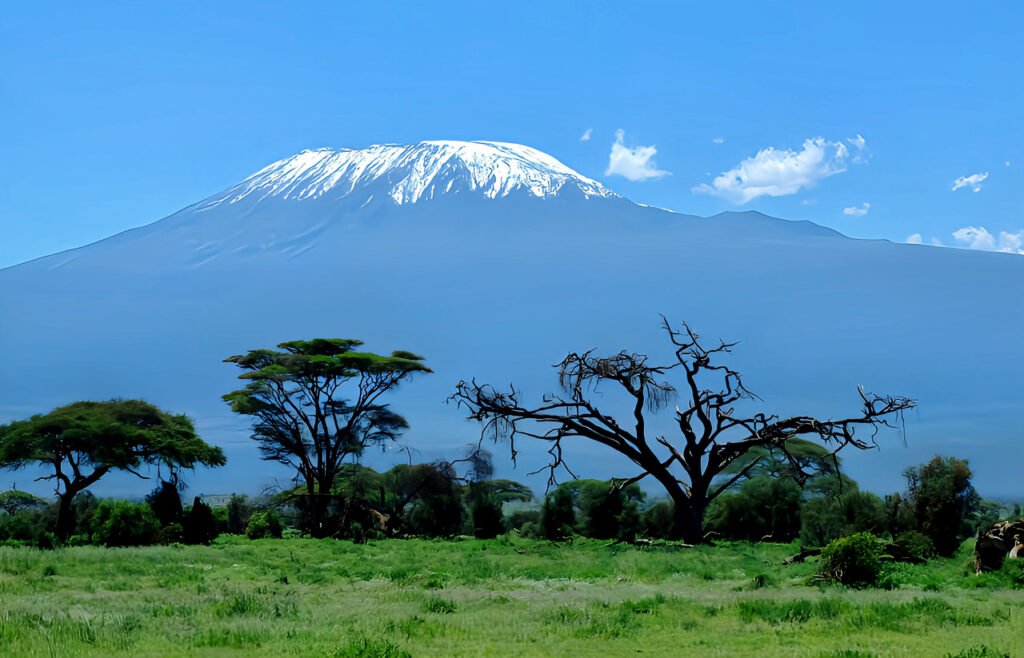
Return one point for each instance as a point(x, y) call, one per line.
point(943, 500)
point(487, 501)
point(437, 509)
point(166, 503)
point(764, 508)
point(317, 403)
point(83, 441)
point(15, 501)
point(239, 512)
point(829, 517)
point(558, 515)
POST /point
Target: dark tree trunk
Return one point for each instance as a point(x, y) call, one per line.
point(320, 508)
point(689, 521)
point(65, 516)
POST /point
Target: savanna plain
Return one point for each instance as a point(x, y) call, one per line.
point(509, 596)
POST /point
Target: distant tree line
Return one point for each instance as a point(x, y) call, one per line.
point(318, 406)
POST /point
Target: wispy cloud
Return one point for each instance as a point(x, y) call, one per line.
point(973, 181)
point(857, 211)
point(978, 237)
point(914, 238)
point(781, 172)
point(585, 137)
point(718, 140)
point(635, 164)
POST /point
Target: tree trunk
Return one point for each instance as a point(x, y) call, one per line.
point(65, 516)
point(313, 520)
point(689, 520)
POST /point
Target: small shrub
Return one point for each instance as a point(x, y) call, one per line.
point(1012, 573)
point(371, 648)
point(980, 651)
point(263, 525)
point(855, 560)
point(438, 606)
point(917, 544)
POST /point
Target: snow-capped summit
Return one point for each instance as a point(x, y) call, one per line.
point(408, 174)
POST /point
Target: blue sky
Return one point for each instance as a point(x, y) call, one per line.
point(117, 114)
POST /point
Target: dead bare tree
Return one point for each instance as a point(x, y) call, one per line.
point(713, 434)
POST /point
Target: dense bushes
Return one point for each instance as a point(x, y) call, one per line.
point(433, 500)
point(121, 523)
point(763, 508)
point(855, 560)
point(263, 525)
point(830, 517)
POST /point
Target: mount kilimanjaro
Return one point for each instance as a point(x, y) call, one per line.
point(494, 260)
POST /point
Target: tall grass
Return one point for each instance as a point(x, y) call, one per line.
point(500, 597)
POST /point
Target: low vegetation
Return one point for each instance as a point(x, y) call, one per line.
point(783, 554)
point(506, 596)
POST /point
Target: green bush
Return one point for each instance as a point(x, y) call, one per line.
point(659, 520)
point(121, 523)
point(980, 651)
point(371, 648)
point(841, 514)
point(29, 527)
point(1012, 573)
point(263, 525)
point(519, 519)
point(917, 544)
point(855, 560)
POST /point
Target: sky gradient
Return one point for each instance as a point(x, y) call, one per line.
point(865, 120)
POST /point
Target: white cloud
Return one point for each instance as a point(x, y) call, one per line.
point(973, 181)
point(978, 237)
point(635, 164)
point(718, 140)
point(914, 238)
point(775, 172)
point(858, 141)
point(585, 137)
point(857, 211)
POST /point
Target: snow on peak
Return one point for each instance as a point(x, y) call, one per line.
point(408, 174)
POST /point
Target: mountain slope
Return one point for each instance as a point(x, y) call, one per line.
point(499, 286)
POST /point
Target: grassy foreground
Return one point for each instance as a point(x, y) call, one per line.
point(506, 597)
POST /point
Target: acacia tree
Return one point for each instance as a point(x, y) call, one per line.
point(713, 435)
point(83, 441)
point(316, 403)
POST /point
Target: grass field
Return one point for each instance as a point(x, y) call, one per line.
point(506, 597)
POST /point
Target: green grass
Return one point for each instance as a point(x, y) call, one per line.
point(392, 599)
